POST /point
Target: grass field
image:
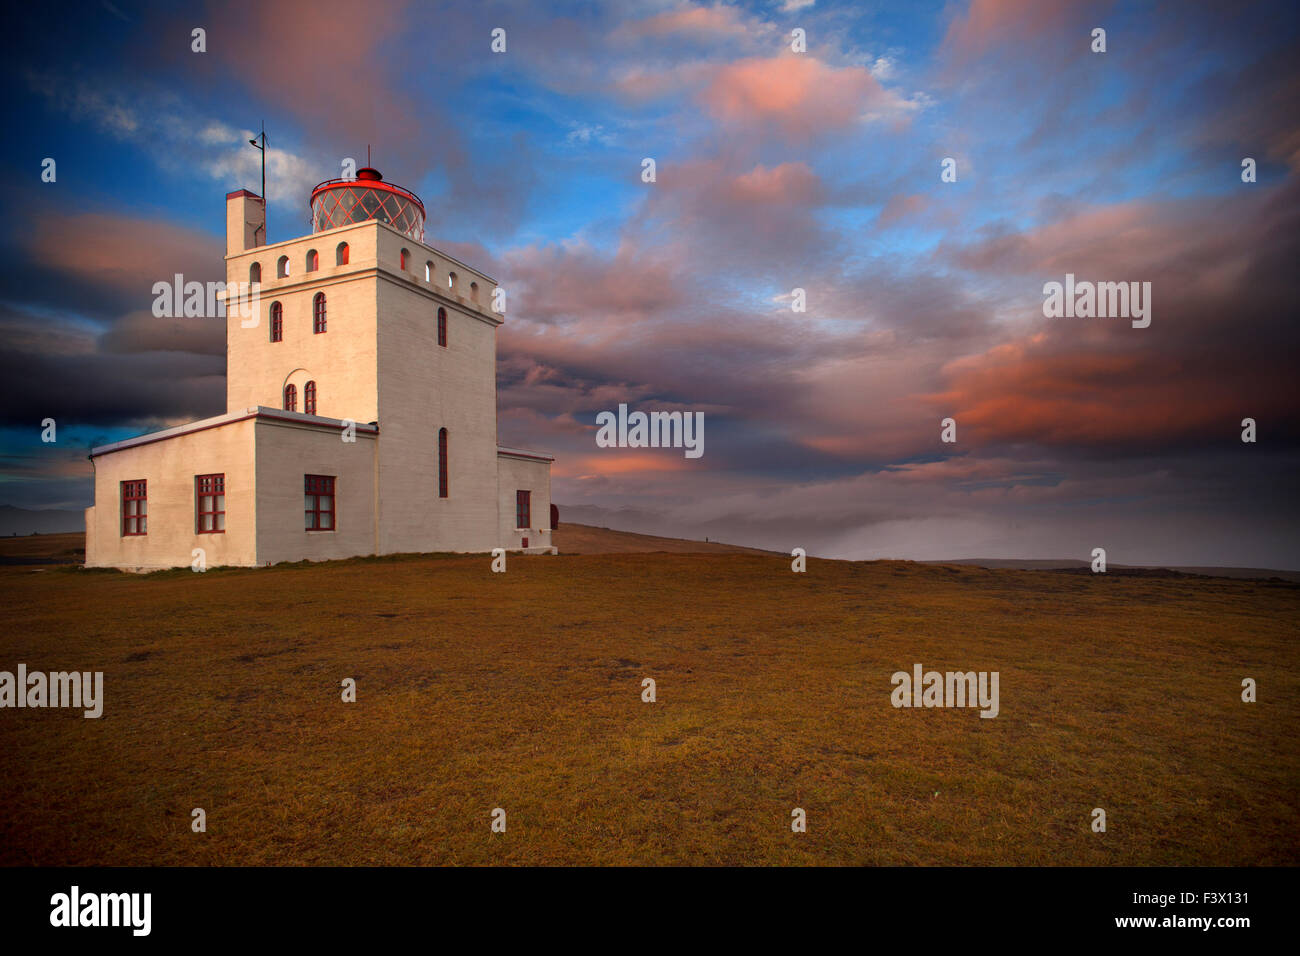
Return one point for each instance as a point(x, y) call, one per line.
point(522, 691)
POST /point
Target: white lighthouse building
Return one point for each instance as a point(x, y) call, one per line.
point(361, 408)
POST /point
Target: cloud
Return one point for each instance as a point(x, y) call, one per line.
point(705, 22)
point(177, 136)
point(1217, 349)
point(87, 386)
point(124, 253)
point(800, 96)
point(1037, 29)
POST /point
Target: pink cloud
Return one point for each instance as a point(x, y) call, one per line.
point(798, 95)
point(902, 207)
point(989, 24)
point(788, 182)
point(127, 253)
point(699, 21)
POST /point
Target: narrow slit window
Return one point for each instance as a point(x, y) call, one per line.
point(442, 463)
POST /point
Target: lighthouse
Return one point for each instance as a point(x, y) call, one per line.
point(361, 408)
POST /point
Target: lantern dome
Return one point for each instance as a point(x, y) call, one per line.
point(339, 202)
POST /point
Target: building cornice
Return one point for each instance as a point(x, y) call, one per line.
point(274, 416)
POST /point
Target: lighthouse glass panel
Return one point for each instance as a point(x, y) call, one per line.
point(342, 205)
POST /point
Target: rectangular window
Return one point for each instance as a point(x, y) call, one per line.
point(210, 510)
point(134, 507)
point(319, 502)
point(523, 509)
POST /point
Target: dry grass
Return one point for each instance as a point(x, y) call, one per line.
point(586, 539)
point(522, 690)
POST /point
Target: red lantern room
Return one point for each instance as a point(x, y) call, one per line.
point(338, 202)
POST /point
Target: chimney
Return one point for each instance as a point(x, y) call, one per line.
point(245, 222)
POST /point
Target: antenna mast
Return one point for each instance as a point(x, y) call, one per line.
point(262, 147)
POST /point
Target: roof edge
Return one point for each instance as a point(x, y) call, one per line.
point(259, 412)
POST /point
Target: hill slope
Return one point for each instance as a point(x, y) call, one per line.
point(523, 691)
point(586, 539)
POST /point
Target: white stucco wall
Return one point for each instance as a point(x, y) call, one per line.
point(341, 360)
point(285, 454)
point(170, 467)
point(424, 387)
point(523, 474)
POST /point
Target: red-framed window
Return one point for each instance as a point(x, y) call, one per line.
point(291, 398)
point(523, 509)
point(309, 398)
point(135, 507)
point(318, 313)
point(318, 492)
point(405, 254)
point(341, 254)
point(210, 504)
point(442, 463)
point(277, 322)
point(442, 327)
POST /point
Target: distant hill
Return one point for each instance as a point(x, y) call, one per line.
point(27, 521)
point(569, 538)
point(1070, 564)
point(586, 539)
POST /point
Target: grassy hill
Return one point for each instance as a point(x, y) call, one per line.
point(523, 691)
point(70, 548)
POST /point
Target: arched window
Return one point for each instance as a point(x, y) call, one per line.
point(291, 398)
point(341, 254)
point(309, 398)
point(277, 322)
point(313, 260)
point(405, 255)
point(428, 271)
point(255, 273)
point(473, 291)
point(451, 281)
point(442, 327)
point(318, 313)
point(442, 463)
point(282, 268)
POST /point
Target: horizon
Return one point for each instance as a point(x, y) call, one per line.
point(1059, 562)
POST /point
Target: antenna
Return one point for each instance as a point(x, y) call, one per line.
point(253, 143)
point(367, 154)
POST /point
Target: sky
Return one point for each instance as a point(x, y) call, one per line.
point(775, 170)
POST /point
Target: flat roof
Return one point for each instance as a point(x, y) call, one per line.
point(260, 412)
point(524, 453)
